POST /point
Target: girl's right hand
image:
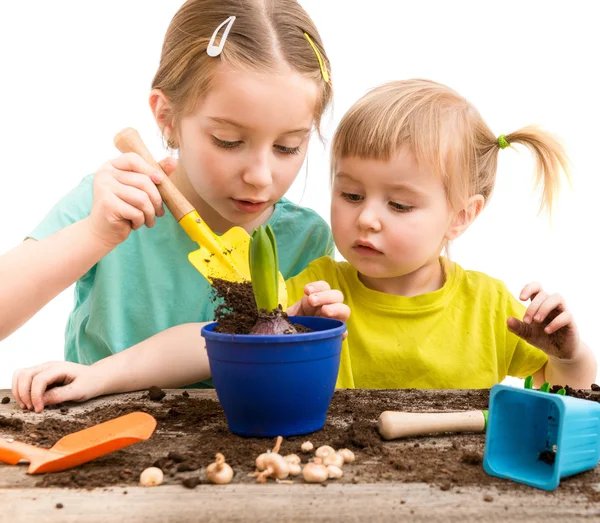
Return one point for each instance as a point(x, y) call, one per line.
point(321, 300)
point(126, 196)
point(54, 382)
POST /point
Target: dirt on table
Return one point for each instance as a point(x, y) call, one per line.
point(191, 430)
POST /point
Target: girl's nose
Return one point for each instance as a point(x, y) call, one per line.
point(368, 219)
point(258, 172)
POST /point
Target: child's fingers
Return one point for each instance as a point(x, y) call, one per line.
point(316, 286)
point(562, 320)
point(139, 200)
point(295, 309)
point(529, 290)
point(321, 298)
point(68, 392)
point(133, 162)
point(554, 302)
point(23, 384)
point(15, 388)
point(125, 211)
point(519, 328)
point(144, 184)
point(42, 381)
point(534, 306)
point(337, 311)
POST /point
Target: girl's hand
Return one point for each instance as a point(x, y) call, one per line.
point(547, 324)
point(54, 382)
point(321, 300)
point(126, 197)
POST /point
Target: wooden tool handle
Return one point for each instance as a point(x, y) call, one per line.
point(129, 141)
point(392, 425)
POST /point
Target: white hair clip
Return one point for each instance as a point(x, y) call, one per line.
point(215, 50)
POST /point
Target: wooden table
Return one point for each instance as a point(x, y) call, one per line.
point(21, 501)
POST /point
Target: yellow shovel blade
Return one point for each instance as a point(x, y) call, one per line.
point(223, 257)
point(229, 261)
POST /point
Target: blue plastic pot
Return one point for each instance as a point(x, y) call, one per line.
point(276, 385)
point(525, 423)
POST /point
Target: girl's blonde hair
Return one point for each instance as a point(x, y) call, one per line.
point(445, 132)
point(265, 35)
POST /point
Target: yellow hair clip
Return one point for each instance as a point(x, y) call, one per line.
point(324, 72)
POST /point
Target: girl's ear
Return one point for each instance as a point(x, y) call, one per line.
point(161, 109)
point(465, 217)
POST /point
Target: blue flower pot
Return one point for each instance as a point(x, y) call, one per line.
point(278, 385)
point(523, 423)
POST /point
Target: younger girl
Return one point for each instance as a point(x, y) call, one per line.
point(239, 89)
point(413, 165)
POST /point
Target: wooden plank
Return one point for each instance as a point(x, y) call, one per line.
point(360, 503)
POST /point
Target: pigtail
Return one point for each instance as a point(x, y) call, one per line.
point(551, 160)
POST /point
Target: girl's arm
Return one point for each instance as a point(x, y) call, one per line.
point(577, 372)
point(172, 358)
point(125, 198)
point(35, 272)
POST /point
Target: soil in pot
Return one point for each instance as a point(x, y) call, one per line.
point(236, 312)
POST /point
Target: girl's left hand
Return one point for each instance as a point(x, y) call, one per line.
point(547, 324)
point(321, 300)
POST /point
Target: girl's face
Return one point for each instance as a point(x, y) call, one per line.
point(390, 219)
point(245, 143)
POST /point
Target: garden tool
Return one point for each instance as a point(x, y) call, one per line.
point(80, 447)
point(219, 256)
point(394, 424)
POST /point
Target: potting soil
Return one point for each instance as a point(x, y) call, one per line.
point(191, 430)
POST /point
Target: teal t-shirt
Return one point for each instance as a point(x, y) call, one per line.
point(146, 284)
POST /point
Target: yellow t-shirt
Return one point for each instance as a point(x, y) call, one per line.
point(455, 337)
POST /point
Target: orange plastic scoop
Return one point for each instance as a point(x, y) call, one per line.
point(80, 447)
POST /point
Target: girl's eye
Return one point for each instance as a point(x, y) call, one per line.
point(224, 144)
point(287, 150)
point(400, 208)
point(352, 197)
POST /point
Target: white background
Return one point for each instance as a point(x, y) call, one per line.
point(74, 73)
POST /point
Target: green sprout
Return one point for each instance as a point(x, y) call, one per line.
point(264, 268)
point(264, 271)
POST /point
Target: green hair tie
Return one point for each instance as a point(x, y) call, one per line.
point(502, 142)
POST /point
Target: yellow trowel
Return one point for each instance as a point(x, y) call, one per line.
point(219, 256)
